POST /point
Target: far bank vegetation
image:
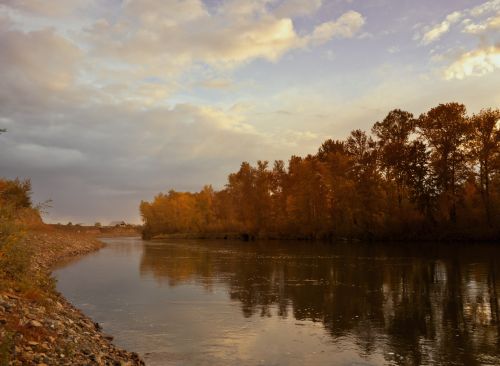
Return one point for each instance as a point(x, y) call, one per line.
point(435, 176)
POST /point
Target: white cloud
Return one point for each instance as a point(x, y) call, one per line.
point(168, 37)
point(243, 8)
point(475, 63)
point(330, 55)
point(157, 14)
point(487, 7)
point(216, 84)
point(126, 45)
point(482, 21)
point(42, 57)
point(37, 69)
point(293, 8)
point(490, 24)
point(436, 32)
point(168, 41)
point(393, 49)
point(346, 26)
point(56, 8)
point(218, 39)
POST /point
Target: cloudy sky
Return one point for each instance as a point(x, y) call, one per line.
point(108, 102)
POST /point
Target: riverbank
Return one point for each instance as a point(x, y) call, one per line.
point(37, 325)
point(429, 238)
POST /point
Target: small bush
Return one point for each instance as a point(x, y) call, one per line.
point(16, 193)
point(15, 256)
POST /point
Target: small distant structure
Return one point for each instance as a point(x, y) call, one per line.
point(118, 224)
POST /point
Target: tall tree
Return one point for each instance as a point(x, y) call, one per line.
point(393, 135)
point(362, 149)
point(446, 129)
point(306, 205)
point(420, 182)
point(330, 147)
point(241, 187)
point(336, 165)
point(262, 198)
point(364, 173)
point(204, 208)
point(485, 149)
point(278, 187)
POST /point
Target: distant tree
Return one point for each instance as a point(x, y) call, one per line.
point(97, 224)
point(2, 130)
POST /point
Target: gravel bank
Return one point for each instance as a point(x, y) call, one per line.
point(39, 327)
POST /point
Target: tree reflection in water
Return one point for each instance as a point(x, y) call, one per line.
point(426, 304)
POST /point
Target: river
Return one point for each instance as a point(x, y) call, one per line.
point(197, 302)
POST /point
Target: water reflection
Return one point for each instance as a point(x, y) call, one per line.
point(420, 305)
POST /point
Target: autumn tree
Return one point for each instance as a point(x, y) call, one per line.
point(393, 135)
point(485, 150)
point(240, 189)
point(261, 197)
point(364, 173)
point(336, 164)
point(419, 179)
point(204, 208)
point(278, 189)
point(329, 148)
point(226, 212)
point(446, 129)
point(306, 206)
point(414, 179)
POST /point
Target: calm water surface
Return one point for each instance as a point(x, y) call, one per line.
point(284, 303)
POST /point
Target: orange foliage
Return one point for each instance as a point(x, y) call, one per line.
point(435, 176)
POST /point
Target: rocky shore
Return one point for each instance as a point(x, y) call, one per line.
point(39, 327)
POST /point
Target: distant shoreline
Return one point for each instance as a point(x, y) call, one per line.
point(255, 237)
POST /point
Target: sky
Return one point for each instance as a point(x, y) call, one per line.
point(107, 103)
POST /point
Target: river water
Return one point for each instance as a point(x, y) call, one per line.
point(196, 302)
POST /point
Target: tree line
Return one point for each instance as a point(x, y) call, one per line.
point(435, 176)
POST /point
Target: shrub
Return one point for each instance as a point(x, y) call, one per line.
point(15, 207)
point(16, 193)
point(15, 256)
